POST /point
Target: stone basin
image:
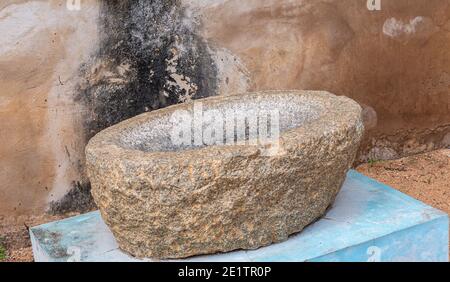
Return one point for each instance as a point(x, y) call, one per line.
point(194, 179)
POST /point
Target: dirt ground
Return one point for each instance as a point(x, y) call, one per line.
point(425, 177)
point(14, 236)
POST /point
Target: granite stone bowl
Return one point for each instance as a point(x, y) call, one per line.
point(198, 178)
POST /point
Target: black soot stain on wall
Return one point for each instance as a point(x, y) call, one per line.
point(150, 57)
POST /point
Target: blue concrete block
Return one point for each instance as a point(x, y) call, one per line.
point(368, 222)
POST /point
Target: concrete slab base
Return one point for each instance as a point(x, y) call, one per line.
point(368, 222)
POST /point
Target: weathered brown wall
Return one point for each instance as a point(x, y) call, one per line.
point(396, 61)
point(58, 66)
point(42, 45)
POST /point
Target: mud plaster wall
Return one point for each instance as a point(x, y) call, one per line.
point(65, 75)
point(395, 61)
point(41, 47)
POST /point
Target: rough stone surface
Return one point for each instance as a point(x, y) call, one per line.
point(67, 74)
point(174, 202)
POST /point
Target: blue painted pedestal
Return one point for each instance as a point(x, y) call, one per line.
point(368, 222)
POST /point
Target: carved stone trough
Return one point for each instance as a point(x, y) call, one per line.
point(198, 178)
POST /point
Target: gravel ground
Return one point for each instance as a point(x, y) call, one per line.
point(425, 177)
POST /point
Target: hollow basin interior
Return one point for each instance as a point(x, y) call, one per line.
point(223, 122)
